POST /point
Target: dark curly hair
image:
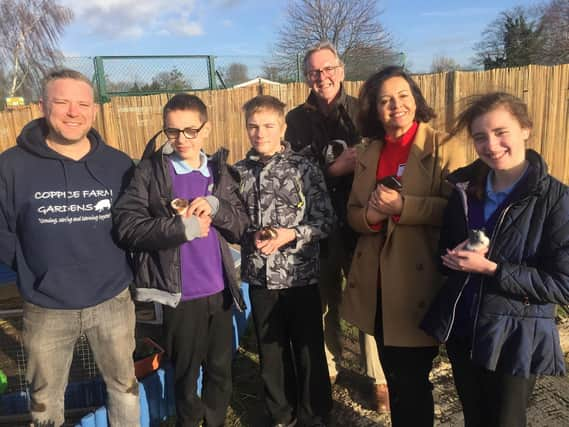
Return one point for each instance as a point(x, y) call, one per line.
point(368, 117)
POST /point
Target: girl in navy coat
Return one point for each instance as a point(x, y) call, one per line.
point(496, 312)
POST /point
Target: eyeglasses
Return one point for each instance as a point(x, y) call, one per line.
point(190, 133)
point(329, 71)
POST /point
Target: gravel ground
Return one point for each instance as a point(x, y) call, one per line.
point(549, 406)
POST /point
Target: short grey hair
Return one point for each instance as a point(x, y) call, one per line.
point(325, 45)
point(63, 73)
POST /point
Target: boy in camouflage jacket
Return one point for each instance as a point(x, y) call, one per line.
point(290, 211)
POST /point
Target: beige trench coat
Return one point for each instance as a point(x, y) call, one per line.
point(406, 254)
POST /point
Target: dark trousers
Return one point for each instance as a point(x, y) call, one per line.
point(200, 333)
point(489, 399)
point(407, 373)
point(288, 324)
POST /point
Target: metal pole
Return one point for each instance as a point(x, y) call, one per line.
point(211, 72)
point(100, 80)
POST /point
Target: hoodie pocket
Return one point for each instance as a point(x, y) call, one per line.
point(80, 285)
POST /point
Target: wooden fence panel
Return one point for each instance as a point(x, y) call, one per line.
point(129, 122)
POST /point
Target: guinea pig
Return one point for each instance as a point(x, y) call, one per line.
point(268, 233)
point(477, 240)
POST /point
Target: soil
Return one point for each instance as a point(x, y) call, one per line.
point(549, 406)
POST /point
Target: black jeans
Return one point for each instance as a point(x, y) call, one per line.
point(407, 373)
point(288, 324)
point(489, 399)
point(200, 333)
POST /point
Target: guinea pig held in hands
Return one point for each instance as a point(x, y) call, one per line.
point(477, 240)
point(180, 206)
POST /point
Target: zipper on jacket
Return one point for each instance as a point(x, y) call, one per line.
point(169, 190)
point(452, 319)
point(462, 192)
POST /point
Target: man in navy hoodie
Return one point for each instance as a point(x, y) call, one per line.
point(56, 190)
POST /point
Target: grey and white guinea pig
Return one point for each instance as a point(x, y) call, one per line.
point(477, 240)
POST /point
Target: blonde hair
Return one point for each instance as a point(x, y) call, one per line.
point(264, 102)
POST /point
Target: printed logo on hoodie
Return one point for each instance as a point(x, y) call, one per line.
point(72, 206)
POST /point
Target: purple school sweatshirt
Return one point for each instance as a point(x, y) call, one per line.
point(200, 258)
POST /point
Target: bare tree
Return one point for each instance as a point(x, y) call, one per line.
point(443, 64)
point(555, 31)
point(29, 32)
point(235, 73)
point(272, 72)
point(353, 26)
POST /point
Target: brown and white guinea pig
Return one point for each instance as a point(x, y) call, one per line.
point(180, 206)
point(268, 233)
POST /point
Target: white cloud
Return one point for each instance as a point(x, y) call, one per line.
point(189, 29)
point(136, 18)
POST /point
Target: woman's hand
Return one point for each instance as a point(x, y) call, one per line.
point(373, 216)
point(269, 246)
point(460, 259)
point(386, 200)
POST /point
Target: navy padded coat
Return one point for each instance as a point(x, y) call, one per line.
point(514, 330)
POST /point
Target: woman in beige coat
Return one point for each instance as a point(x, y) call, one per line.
point(399, 232)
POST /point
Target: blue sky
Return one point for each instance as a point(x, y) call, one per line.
point(244, 30)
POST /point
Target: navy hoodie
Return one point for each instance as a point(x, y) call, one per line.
point(55, 221)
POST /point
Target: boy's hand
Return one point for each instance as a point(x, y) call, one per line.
point(199, 207)
point(269, 246)
point(205, 222)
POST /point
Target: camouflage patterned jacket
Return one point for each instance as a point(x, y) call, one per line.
point(287, 191)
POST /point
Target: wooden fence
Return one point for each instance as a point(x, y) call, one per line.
point(128, 122)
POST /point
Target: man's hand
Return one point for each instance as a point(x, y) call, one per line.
point(344, 164)
point(269, 246)
point(199, 207)
point(460, 259)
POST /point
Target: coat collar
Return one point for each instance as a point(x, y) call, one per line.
point(311, 103)
point(254, 157)
point(424, 143)
point(423, 147)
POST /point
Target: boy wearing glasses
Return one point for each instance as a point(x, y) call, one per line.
point(177, 215)
point(290, 212)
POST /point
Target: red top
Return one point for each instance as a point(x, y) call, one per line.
point(393, 158)
point(395, 152)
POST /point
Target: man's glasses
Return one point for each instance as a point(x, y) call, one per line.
point(329, 71)
point(190, 133)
